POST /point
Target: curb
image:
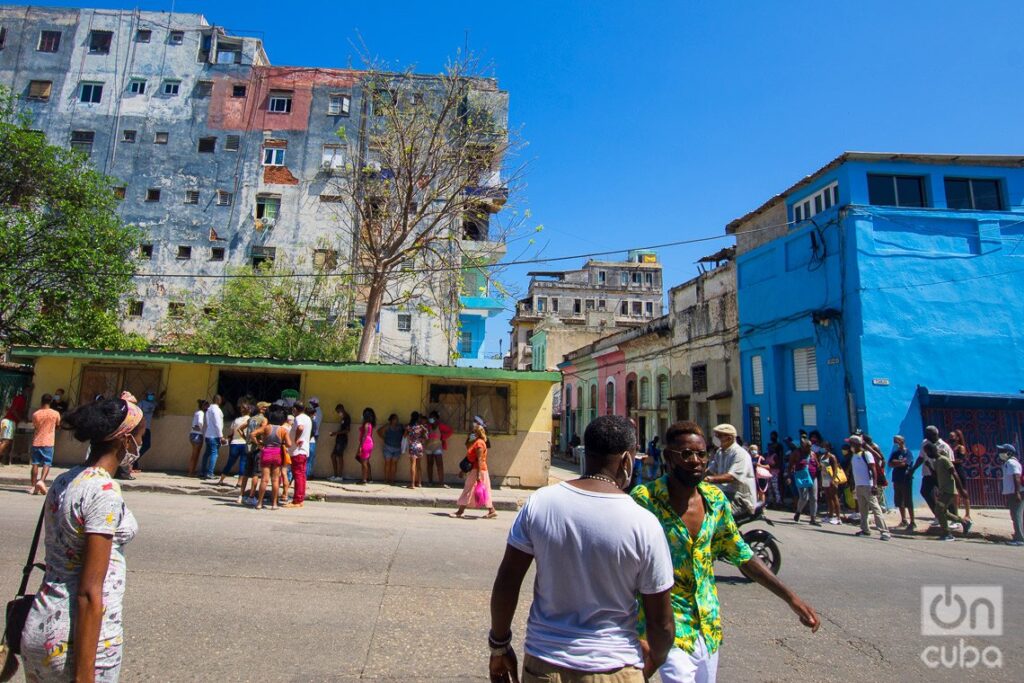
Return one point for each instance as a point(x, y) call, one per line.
point(18, 483)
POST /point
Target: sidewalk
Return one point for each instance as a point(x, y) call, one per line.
point(16, 477)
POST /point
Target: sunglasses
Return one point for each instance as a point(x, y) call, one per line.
point(688, 454)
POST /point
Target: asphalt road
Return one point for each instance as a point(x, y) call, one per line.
point(348, 592)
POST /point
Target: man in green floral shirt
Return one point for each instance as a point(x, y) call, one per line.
point(698, 522)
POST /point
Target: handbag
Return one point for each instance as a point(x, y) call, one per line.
point(802, 479)
point(466, 466)
point(838, 476)
point(763, 472)
point(18, 609)
point(480, 495)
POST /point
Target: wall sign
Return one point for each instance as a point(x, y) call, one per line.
point(880, 381)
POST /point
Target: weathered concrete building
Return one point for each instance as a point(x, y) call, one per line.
point(583, 305)
point(224, 160)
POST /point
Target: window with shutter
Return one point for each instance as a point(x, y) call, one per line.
point(805, 369)
point(757, 375)
point(810, 414)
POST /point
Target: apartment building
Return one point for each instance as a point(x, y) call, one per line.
point(572, 308)
point(224, 160)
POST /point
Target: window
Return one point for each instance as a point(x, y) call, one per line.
point(91, 93)
point(137, 86)
point(143, 35)
point(339, 105)
point(465, 342)
point(649, 279)
point(160, 137)
point(184, 252)
point(267, 206)
point(3, 37)
point(382, 99)
point(171, 87)
point(542, 304)
point(224, 198)
point(637, 278)
point(810, 414)
point(217, 253)
point(554, 305)
point(590, 304)
point(280, 103)
point(821, 200)
point(273, 156)
point(229, 51)
point(208, 145)
point(261, 255)
point(238, 90)
point(119, 192)
point(191, 196)
point(662, 391)
point(153, 194)
point(699, 373)
point(602, 277)
point(81, 140)
point(111, 381)
point(135, 309)
point(895, 190)
point(404, 322)
point(576, 306)
point(601, 304)
point(757, 375)
point(805, 369)
point(39, 90)
point(176, 309)
point(973, 193)
point(609, 398)
point(649, 309)
point(146, 252)
point(645, 392)
point(99, 42)
point(128, 135)
point(176, 37)
point(232, 142)
point(49, 41)
point(325, 259)
point(332, 198)
point(623, 308)
point(624, 279)
point(333, 157)
point(637, 307)
point(203, 89)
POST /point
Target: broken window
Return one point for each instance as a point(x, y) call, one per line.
point(325, 259)
point(576, 306)
point(208, 145)
point(160, 137)
point(232, 142)
point(99, 42)
point(267, 206)
point(176, 309)
point(81, 140)
point(339, 105)
point(146, 252)
point(143, 35)
point(333, 157)
point(263, 255)
point(91, 93)
point(638, 308)
point(171, 87)
point(238, 90)
point(217, 253)
point(280, 102)
point(176, 37)
point(203, 89)
point(39, 90)
point(382, 100)
point(128, 135)
point(184, 252)
point(273, 156)
point(699, 373)
point(624, 308)
point(137, 86)
point(191, 196)
point(153, 194)
point(224, 198)
point(135, 309)
point(49, 41)
point(475, 225)
point(229, 51)
point(590, 304)
point(3, 37)
point(119, 192)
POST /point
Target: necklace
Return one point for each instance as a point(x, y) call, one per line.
point(601, 477)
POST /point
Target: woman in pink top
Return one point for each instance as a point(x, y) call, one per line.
point(366, 442)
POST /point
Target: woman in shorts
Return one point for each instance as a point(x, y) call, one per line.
point(959, 445)
point(274, 442)
point(828, 463)
point(391, 434)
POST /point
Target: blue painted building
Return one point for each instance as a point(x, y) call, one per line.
point(882, 292)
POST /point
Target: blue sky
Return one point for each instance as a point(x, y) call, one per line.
point(650, 122)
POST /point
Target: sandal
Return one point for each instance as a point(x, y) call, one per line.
point(491, 515)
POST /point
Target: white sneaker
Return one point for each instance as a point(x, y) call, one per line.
point(835, 520)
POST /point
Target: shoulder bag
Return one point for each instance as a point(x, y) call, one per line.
point(18, 609)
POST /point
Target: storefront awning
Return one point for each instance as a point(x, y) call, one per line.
point(968, 399)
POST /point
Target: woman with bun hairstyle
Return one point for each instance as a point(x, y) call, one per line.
point(74, 630)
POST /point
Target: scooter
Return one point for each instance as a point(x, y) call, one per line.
point(761, 541)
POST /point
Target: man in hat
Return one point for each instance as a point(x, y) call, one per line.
point(1013, 490)
point(732, 470)
point(866, 488)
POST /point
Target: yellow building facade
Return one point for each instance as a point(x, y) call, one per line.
point(515, 404)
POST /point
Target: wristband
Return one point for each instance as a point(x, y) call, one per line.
point(501, 651)
point(495, 643)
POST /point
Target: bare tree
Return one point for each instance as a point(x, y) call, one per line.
point(421, 186)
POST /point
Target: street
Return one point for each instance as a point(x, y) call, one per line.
point(352, 592)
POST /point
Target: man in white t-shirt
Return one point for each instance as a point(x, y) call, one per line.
point(302, 432)
point(732, 470)
point(865, 487)
point(1013, 490)
point(214, 432)
point(595, 551)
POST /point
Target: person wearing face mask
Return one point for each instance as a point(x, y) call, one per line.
point(438, 434)
point(596, 552)
point(148, 405)
point(1012, 490)
point(74, 629)
point(699, 526)
point(733, 471)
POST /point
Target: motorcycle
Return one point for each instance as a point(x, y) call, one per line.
point(761, 541)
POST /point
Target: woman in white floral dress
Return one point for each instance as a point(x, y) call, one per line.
point(74, 630)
